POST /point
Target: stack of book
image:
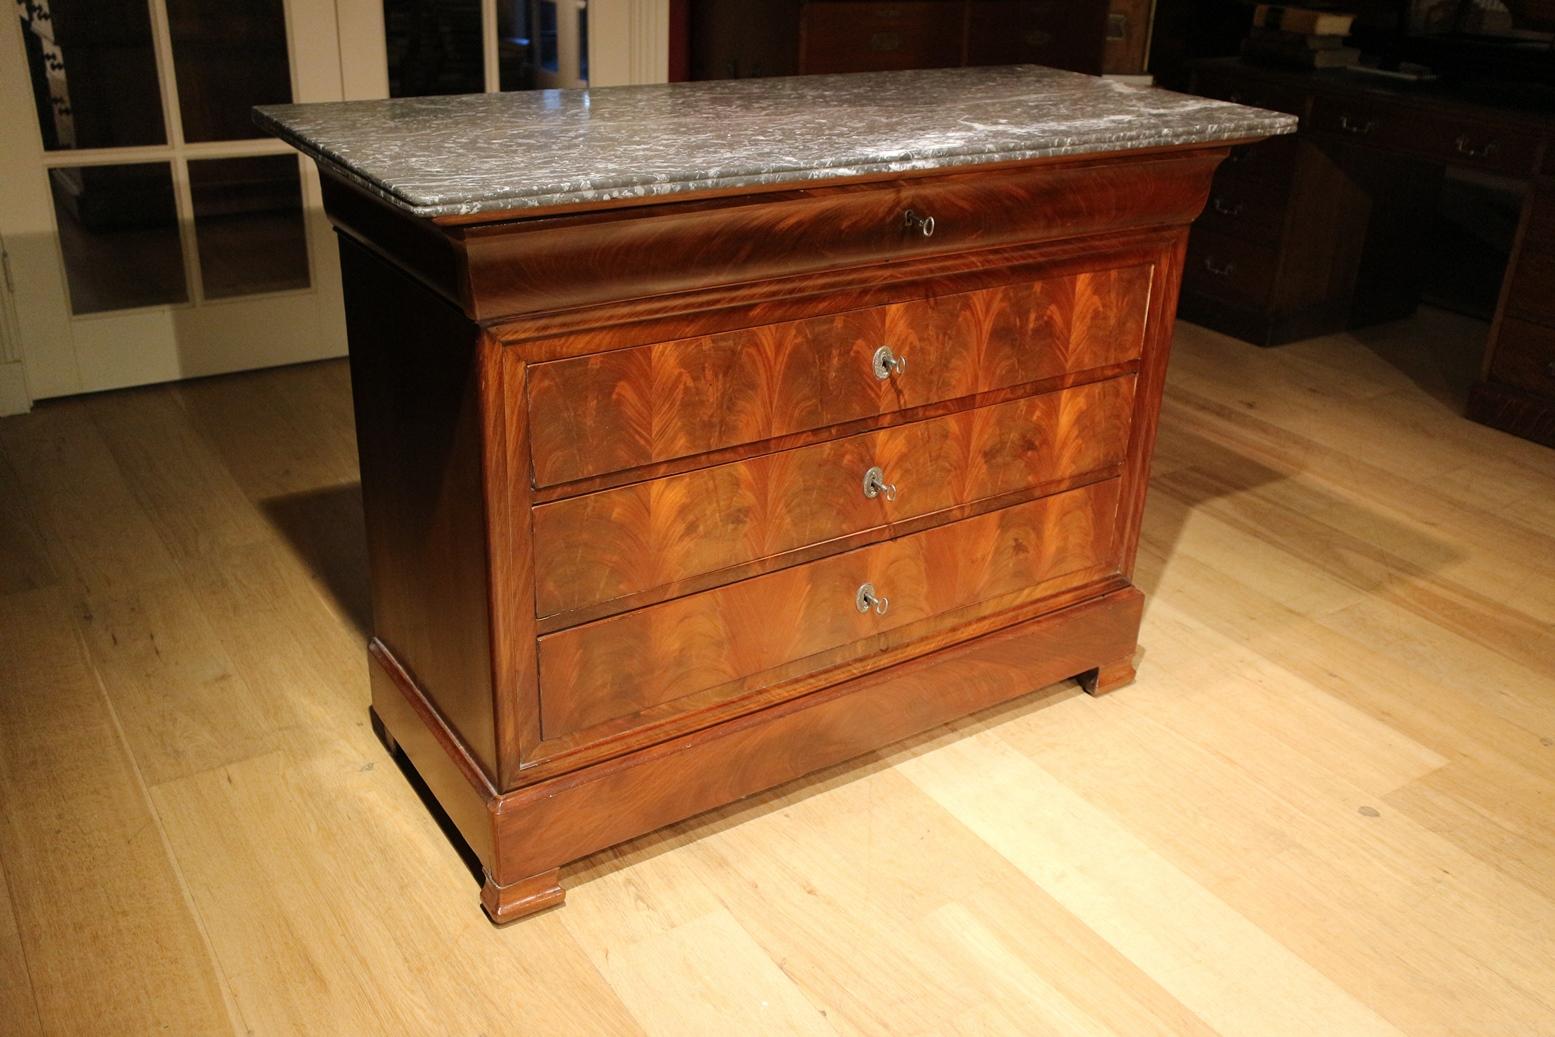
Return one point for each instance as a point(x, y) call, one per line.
point(1299, 37)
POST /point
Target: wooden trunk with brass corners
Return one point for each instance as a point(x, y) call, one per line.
point(670, 501)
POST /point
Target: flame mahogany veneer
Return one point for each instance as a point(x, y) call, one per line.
point(613, 464)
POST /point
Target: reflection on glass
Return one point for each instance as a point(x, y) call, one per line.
point(94, 73)
point(118, 230)
point(515, 45)
point(550, 52)
point(434, 47)
point(228, 57)
point(248, 223)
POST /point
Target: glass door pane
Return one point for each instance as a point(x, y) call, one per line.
point(93, 68)
point(118, 233)
point(248, 225)
point(228, 55)
point(434, 47)
point(171, 248)
point(515, 45)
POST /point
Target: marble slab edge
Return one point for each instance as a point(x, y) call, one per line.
point(1216, 122)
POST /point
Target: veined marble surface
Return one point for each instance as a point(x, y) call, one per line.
point(473, 153)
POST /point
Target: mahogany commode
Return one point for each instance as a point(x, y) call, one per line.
point(715, 433)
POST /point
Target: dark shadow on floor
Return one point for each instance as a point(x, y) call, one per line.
point(450, 830)
point(1312, 527)
point(1441, 352)
point(325, 528)
point(577, 875)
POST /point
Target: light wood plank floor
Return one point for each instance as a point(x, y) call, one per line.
point(1325, 807)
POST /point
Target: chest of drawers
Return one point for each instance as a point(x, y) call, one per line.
point(669, 501)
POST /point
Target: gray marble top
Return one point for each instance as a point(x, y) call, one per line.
point(473, 153)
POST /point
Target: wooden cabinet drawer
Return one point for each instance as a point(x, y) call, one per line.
point(649, 535)
point(709, 647)
point(1532, 291)
point(1229, 268)
point(1354, 118)
point(1240, 89)
point(1245, 209)
point(1525, 357)
point(1465, 143)
point(609, 412)
point(1457, 142)
point(1267, 162)
point(1540, 235)
point(870, 37)
point(542, 265)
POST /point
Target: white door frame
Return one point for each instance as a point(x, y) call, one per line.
point(39, 347)
point(629, 42)
point(63, 354)
point(14, 397)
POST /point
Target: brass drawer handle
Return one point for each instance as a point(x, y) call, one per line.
point(1469, 149)
point(922, 224)
point(887, 363)
point(1220, 205)
point(867, 599)
point(1225, 269)
point(1352, 126)
point(875, 484)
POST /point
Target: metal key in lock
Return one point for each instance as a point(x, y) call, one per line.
point(876, 486)
point(866, 599)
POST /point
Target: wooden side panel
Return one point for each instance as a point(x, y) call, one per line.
point(620, 542)
point(760, 631)
point(415, 382)
point(631, 407)
point(510, 555)
point(1149, 386)
point(572, 816)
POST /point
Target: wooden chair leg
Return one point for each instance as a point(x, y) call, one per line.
point(524, 897)
point(1108, 677)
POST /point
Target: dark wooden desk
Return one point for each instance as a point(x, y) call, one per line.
point(1311, 234)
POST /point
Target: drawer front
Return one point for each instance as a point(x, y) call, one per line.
point(873, 37)
point(543, 265)
point(1270, 161)
point(1229, 268)
point(1525, 357)
point(1532, 292)
point(1245, 209)
point(705, 648)
point(1459, 142)
point(1353, 118)
point(602, 546)
point(1468, 144)
point(1541, 221)
point(610, 412)
point(1239, 89)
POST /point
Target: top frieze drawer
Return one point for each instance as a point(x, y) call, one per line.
point(547, 264)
